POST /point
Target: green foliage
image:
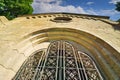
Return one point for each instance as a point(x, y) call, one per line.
point(13, 8)
point(118, 6)
point(118, 20)
point(118, 9)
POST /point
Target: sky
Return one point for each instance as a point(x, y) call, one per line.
point(92, 7)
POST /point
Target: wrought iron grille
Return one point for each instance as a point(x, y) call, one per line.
point(60, 62)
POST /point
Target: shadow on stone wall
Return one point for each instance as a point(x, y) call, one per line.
point(115, 26)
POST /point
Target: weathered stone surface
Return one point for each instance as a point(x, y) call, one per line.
point(17, 43)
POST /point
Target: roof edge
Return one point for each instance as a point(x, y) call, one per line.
point(89, 15)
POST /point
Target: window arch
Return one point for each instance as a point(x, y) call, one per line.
point(61, 62)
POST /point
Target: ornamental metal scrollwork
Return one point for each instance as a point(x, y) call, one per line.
point(61, 61)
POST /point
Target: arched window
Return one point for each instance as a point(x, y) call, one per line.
point(61, 62)
point(62, 19)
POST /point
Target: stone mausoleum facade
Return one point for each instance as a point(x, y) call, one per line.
point(59, 46)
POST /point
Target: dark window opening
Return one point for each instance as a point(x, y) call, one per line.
point(62, 19)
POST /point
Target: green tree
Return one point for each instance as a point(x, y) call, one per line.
point(118, 9)
point(118, 6)
point(118, 20)
point(13, 8)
